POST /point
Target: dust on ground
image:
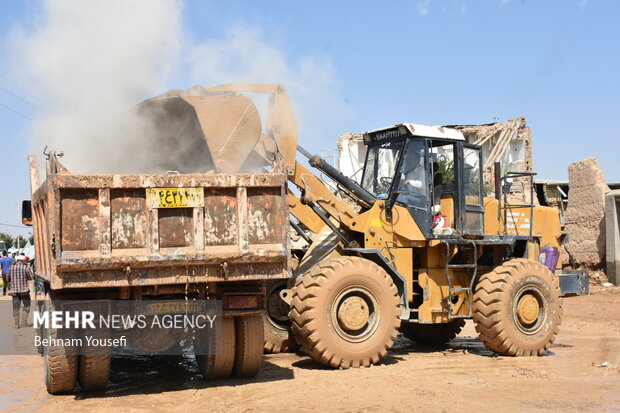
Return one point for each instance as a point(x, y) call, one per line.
point(580, 373)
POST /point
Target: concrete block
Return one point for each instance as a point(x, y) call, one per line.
point(612, 232)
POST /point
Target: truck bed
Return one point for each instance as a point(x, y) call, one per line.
point(100, 230)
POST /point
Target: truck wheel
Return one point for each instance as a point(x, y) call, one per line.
point(217, 353)
point(517, 308)
point(249, 353)
point(278, 334)
point(60, 366)
point(432, 334)
point(94, 371)
point(345, 312)
point(40, 331)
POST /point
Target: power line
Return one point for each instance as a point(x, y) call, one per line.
point(19, 97)
point(14, 111)
point(24, 91)
point(14, 226)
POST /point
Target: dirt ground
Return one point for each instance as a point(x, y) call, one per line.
point(579, 373)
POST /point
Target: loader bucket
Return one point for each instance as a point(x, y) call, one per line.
point(228, 123)
point(281, 127)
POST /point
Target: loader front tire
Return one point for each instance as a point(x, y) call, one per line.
point(432, 334)
point(517, 308)
point(278, 334)
point(345, 312)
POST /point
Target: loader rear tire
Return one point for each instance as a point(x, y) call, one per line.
point(278, 335)
point(517, 308)
point(250, 340)
point(432, 334)
point(60, 363)
point(94, 371)
point(345, 312)
point(215, 355)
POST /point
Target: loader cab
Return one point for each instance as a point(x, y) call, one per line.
point(430, 171)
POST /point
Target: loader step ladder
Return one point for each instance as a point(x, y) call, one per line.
point(464, 245)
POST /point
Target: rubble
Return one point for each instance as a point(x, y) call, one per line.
point(510, 144)
point(585, 216)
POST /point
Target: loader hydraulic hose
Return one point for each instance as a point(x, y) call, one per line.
point(364, 197)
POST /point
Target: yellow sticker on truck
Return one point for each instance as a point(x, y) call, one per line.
point(175, 197)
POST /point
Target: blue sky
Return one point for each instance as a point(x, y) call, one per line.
point(350, 66)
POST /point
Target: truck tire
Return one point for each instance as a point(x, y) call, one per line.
point(94, 371)
point(432, 334)
point(517, 308)
point(39, 305)
point(60, 365)
point(345, 312)
point(250, 341)
point(218, 352)
point(277, 325)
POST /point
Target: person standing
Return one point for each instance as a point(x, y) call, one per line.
point(5, 263)
point(18, 277)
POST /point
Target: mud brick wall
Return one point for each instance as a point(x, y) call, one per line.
point(585, 216)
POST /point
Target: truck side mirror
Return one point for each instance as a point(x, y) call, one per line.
point(27, 213)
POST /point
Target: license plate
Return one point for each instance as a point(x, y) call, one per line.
point(170, 307)
point(175, 197)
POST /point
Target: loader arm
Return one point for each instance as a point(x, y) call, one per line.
point(315, 192)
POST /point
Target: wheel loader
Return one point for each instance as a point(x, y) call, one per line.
point(415, 247)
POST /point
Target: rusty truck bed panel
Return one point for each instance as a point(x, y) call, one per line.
point(98, 230)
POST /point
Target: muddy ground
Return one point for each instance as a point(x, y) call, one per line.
point(579, 373)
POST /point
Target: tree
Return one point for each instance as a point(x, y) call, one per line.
point(31, 239)
point(7, 238)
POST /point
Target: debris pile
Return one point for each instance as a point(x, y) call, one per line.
point(510, 144)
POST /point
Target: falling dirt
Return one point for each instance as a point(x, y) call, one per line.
point(580, 373)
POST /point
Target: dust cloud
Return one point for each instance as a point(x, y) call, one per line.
point(245, 54)
point(91, 63)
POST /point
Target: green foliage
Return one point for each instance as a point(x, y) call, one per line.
point(8, 239)
point(446, 169)
point(487, 188)
point(472, 188)
point(31, 239)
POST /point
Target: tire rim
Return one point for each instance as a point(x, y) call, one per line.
point(355, 314)
point(276, 309)
point(530, 309)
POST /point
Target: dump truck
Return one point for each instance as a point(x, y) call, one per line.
point(414, 248)
point(213, 235)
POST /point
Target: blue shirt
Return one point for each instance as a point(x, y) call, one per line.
point(5, 262)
